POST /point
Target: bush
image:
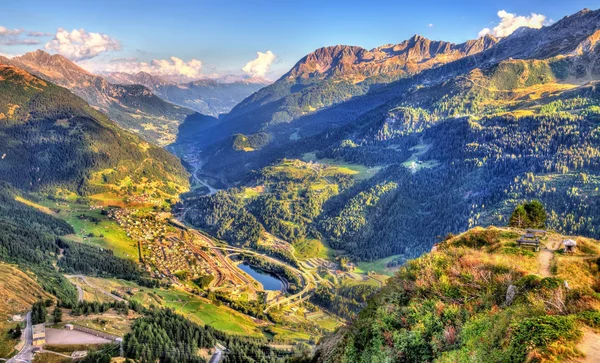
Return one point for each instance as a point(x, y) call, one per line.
point(538, 332)
point(591, 318)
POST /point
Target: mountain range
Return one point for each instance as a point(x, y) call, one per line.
point(53, 138)
point(392, 192)
point(457, 135)
point(211, 97)
point(133, 107)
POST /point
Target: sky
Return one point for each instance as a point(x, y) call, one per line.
point(253, 38)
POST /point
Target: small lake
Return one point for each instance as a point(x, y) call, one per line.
point(269, 282)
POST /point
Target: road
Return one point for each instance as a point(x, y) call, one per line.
point(85, 281)
point(309, 281)
point(223, 260)
point(216, 358)
point(26, 353)
point(79, 293)
point(195, 180)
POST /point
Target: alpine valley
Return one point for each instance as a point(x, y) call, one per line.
point(416, 202)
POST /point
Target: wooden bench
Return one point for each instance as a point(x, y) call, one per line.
point(535, 243)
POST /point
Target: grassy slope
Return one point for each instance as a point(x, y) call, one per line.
point(451, 304)
point(194, 308)
point(19, 291)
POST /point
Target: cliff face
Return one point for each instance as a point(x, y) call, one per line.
point(409, 56)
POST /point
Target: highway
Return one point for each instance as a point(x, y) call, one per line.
point(307, 278)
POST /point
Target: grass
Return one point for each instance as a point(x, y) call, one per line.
point(18, 291)
point(118, 325)
point(49, 358)
point(113, 236)
point(6, 342)
point(39, 207)
point(193, 307)
point(70, 348)
point(413, 162)
point(312, 248)
point(329, 323)
point(378, 266)
point(358, 171)
point(286, 334)
point(205, 312)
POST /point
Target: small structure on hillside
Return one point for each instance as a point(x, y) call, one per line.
point(569, 245)
point(39, 335)
point(529, 240)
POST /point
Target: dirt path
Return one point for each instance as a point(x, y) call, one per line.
point(590, 346)
point(545, 257)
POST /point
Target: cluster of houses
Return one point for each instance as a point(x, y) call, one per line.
point(147, 228)
point(163, 251)
point(171, 254)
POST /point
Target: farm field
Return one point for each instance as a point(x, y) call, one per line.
point(378, 266)
point(358, 171)
point(90, 226)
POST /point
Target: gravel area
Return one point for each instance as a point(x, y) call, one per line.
point(57, 337)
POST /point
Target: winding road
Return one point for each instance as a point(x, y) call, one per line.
point(85, 281)
point(309, 281)
point(26, 353)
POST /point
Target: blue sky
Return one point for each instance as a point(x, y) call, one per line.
point(225, 35)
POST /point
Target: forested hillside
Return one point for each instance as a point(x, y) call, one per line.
point(52, 138)
point(457, 144)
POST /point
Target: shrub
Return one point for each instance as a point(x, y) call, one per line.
point(529, 282)
point(538, 332)
point(591, 318)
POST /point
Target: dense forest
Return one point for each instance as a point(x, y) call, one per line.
point(161, 335)
point(438, 177)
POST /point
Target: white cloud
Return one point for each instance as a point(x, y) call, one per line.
point(511, 22)
point(17, 41)
point(430, 25)
point(80, 44)
point(13, 37)
point(173, 67)
point(38, 34)
point(260, 65)
point(9, 32)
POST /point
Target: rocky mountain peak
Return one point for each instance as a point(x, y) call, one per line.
point(40, 58)
point(410, 56)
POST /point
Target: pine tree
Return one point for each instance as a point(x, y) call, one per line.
point(57, 315)
point(519, 217)
point(536, 214)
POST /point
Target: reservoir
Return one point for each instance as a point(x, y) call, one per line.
point(269, 282)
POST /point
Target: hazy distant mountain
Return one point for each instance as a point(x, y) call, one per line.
point(207, 96)
point(133, 107)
